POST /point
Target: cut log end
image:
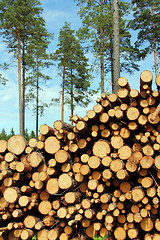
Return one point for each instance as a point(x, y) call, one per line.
point(101, 148)
point(16, 144)
point(52, 145)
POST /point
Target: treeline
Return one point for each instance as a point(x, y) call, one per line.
point(5, 136)
point(27, 39)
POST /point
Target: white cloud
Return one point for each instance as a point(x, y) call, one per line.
point(51, 15)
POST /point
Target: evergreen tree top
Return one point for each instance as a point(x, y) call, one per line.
point(20, 14)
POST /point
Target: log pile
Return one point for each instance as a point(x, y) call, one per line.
point(99, 176)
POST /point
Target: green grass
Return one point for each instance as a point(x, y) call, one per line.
point(94, 238)
point(101, 238)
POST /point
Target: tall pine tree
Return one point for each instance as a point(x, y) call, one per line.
point(97, 20)
point(75, 71)
point(147, 22)
point(38, 59)
point(16, 25)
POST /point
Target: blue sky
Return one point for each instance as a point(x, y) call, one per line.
point(55, 13)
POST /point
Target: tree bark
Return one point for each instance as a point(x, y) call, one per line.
point(116, 50)
point(101, 51)
point(111, 55)
point(71, 95)
point(37, 100)
point(62, 109)
point(19, 81)
point(155, 45)
point(23, 90)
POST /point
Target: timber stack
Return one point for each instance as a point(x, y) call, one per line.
point(99, 176)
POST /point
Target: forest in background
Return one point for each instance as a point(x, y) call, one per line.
point(27, 135)
point(24, 33)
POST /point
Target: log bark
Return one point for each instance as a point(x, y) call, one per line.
point(58, 125)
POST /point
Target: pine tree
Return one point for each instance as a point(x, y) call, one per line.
point(62, 55)
point(147, 22)
point(38, 59)
point(32, 134)
point(75, 71)
point(10, 26)
point(3, 135)
point(16, 24)
point(26, 134)
point(97, 20)
point(12, 133)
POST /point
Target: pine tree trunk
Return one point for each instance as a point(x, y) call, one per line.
point(116, 50)
point(101, 52)
point(71, 95)
point(62, 109)
point(111, 49)
point(111, 55)
point(37, 100)
point(155, 46)
point(19, 81)
point(155, 57)
point(23, 91)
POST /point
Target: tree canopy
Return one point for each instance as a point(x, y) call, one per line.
point(146, 21)
point(74, 65)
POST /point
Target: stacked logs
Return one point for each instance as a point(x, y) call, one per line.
point(99, 176)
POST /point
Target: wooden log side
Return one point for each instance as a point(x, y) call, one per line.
point(58, 125)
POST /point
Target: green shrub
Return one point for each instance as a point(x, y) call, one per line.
point(34, 237)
